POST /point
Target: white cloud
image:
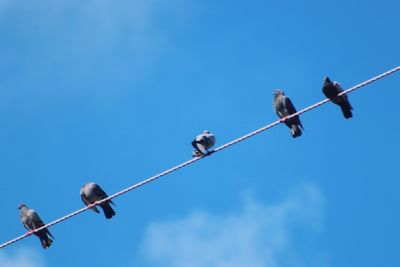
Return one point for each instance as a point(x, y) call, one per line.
point(99, 49)
point(257, 235)
point(22, 258)
point(88, 32)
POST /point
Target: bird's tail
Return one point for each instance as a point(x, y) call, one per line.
point(108, 211)
point(346, 112)
point(48, 232)
point(296, 131)
point(45, 240)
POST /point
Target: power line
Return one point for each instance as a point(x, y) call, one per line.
point(189, 162)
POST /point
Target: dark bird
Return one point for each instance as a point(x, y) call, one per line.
point(202, 143)
point(283, 107)
point(90, 193)
point(31, 221)
point(331, 91)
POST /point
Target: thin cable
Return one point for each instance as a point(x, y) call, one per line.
point(189, 162)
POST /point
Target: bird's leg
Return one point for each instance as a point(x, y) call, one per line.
point(283, 119)
point(30, 232)
point(197, 153)
point(209, 153)
point(92, 205)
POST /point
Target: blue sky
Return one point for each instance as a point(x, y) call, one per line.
point(114, 91)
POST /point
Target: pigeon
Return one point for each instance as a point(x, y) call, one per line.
point(331, 91)
point(283, 107)
point(90, 193)
point(202, 143)
point(31, 221)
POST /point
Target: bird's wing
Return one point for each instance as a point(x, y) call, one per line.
point(338, 86)
point(28, 225)
point(35, 219)
point(289, 106)
point(340, 89)
point(100, 194)
point(291, 110)
point(87, 202)
point(84, 199)
point(211, 140)
point(200, 137)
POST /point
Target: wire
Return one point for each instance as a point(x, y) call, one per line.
point(189, 162)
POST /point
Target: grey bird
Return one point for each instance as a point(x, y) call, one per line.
point(202, 143)
point(90, 193)
point(31, 221)
point(331, 91)
point(284, 107)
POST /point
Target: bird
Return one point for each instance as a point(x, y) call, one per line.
point(331, 91)
point(283, 107)
point(92, 192)
point(202, 143)
point(31, 221)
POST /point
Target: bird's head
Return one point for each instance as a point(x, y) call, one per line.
point(20, 206)
point(206, 132)
point(278, 92)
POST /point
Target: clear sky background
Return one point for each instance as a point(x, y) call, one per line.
point(114, 92)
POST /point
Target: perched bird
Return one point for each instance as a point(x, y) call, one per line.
point(331, 91)
point(283, 107)
point(90, 193)
point(31, 221)
point(202, 143)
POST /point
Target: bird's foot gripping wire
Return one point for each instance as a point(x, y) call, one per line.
point(91, 205)
point(283, 119)
point(209, 153)
point(196, 154)
point(29, 233)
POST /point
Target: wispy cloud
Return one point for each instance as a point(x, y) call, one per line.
point(258, 235)
point(22, 258)
point(101, 48)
